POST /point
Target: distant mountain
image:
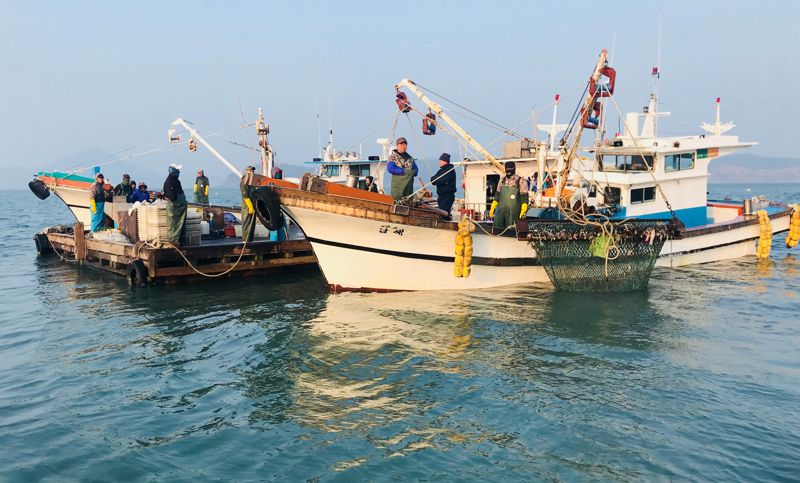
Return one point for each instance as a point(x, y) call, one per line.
point(751, 168)
point(17, 177)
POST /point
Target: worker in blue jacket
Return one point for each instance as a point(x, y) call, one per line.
point(142, 195)
point(403, 170)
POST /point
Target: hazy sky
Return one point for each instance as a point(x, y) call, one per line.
point(92, 77)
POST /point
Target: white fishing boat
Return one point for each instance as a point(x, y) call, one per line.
point(350, 167)
point(365, 242)
point(74, 189)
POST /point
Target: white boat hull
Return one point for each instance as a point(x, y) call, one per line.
point(77, 200)
point(713, 247)
point(362, 254)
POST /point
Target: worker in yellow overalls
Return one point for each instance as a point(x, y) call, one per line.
point(248, 212)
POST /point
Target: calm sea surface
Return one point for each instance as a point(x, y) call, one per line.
point(274, 379)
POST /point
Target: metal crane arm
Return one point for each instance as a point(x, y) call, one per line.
point(437, 109)
point(181, 122)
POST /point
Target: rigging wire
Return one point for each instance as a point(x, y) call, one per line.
point(500, 126)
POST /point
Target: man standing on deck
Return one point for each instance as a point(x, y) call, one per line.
point(403, 170)
point(511, 201)
point(248, 212)
point(97, 201)
point(176, 205)
point(445, 182)
point(124, 188)
point(201, 188)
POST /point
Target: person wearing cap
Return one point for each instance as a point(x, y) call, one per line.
point(445, 182)
point(97, 201)
point(201, 188)
point(403, 170)
point(176, 205)
point(511, 200)
point(248, 211)
point(142, 195)
point(124, 188)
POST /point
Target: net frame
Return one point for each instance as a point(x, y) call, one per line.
point(565, 251)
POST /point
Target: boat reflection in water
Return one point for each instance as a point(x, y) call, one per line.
point(368, 366)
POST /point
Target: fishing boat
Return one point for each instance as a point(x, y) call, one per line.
point(349, 167)
point(366, 242)
point(74, 190)
point(70, 188)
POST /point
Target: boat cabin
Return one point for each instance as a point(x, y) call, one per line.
point(679, 166)
point(348, 167)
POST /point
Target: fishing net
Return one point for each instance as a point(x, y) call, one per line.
point(588, 258)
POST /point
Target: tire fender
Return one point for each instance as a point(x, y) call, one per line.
point(137, 274)
point(267, 208)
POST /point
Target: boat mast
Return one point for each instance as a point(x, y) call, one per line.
point(565, 163)
point(185, 124)
point(408, 83)
point(267, 156)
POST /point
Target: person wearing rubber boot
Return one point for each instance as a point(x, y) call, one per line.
point(248, 211)
point(511, 200)
point(403, 170)
point(445, 182)
point(97, 201)
point(176, 205)
point(201, 188)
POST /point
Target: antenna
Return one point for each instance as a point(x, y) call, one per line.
point(319, 131)
point(718, 128)
point(657, 68)
point(244, 125)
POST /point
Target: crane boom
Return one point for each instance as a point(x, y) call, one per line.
point(587, 104)
point(437, 109)
point(196, 135)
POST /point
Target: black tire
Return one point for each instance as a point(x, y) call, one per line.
point(267, 207)
point(42, 244)
point(39, 189)
point(137, 274)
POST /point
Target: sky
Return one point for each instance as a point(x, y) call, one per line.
point(81, 81)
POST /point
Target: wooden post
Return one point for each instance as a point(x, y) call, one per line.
point(80, 241)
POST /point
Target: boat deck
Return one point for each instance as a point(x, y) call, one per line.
point(170, 265)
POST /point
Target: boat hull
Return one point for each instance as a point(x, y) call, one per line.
point(370, 255)
point(77, 200)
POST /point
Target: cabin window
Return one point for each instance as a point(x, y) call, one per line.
point(627, 162)
point(643, 195)
point(359, 170)
point(678, 162)
point(331, 170)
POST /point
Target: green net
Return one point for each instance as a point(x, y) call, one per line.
point(583, 258)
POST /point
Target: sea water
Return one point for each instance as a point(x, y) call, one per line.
point(698, 378)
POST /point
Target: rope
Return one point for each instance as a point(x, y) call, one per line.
point(641, 153)
point(498, 125)
point(352, 146)
point(63, 259)
point(158, 244)
point(132, 156)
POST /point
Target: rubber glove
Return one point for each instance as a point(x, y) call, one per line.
point(93, 205)
point(524, 210)
point(491, 210)
point(249, 204)
point(206, 193)
point(195, 187)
